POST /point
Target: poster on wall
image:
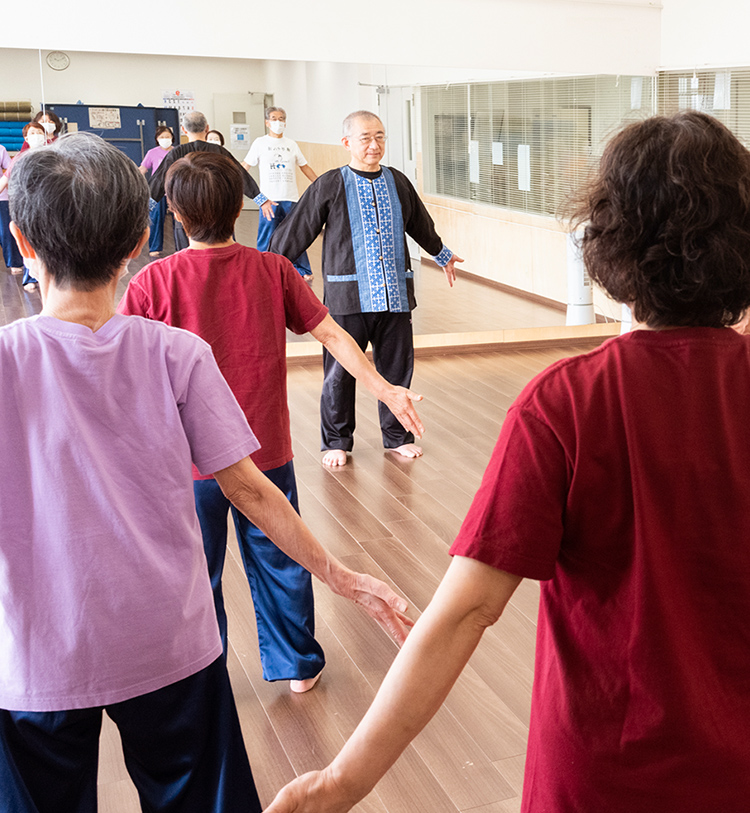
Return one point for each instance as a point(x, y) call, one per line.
point(181, 100)
point(104, 118)
point(239, 136)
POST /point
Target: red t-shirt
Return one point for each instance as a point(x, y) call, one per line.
point(622, 478)
point(240, 301)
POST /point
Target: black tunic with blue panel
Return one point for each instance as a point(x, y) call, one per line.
point(366, 215)
point(368, 281)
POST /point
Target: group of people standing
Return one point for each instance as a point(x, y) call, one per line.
point(619, 480)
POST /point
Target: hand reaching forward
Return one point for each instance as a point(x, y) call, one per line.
point(375, 598)
point(313, 792)
point(401, 403)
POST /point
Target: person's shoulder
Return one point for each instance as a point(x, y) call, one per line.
point(151, 331)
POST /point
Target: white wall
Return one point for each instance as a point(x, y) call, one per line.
point(696, 33)
point(124, 79)
point(568, 36)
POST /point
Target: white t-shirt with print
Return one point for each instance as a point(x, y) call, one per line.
point(277, 158)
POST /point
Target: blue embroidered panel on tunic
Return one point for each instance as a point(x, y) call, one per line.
point(377, 225)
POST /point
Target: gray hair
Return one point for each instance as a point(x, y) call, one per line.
point(270, 110)
point(194, 122)
point(357, 114)
point(82, 205)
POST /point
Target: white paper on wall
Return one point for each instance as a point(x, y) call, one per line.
point(497, 153)
point(524, 167)
point(473, 161)
point(104, 118)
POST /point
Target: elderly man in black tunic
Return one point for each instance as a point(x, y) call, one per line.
point(367, 210)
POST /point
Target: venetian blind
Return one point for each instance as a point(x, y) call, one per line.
point(523, 144)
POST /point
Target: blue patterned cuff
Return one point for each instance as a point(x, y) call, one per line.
point(260, 199)
point(444, 257)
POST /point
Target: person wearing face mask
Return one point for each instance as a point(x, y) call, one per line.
point(215, 137)
point(277, 156)
point(157, 210)
point(195, 127)
point(34, 137)
point(51, 124)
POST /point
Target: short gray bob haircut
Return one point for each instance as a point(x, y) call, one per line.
point(82, 205)
point(194, 122)
point(270, 110)
point(358, 114)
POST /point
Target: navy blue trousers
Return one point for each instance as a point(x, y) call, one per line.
point(157, 214)
point(281, 589)
point(182, 744)
point(267, 227)
point(393, 355)
point(11, 254)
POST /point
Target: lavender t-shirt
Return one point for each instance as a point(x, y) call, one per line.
point(104, 590)
point(153, 158)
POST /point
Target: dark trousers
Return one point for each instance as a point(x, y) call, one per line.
point(180, 238)
point(390, 335)
point(266, 228)
point(11, 254)
point(182, 744)
point(281, 589)
point(157, 214)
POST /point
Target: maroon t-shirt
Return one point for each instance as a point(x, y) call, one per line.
point(622, 479)
point(240, 301)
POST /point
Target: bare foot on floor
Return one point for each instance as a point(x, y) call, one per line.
point(334, 458)
point(302, 686)
point(408, 450)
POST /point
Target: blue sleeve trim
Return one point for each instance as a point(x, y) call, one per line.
point(260, 199)
point(444, 257)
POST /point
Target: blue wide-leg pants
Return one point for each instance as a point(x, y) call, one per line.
point(281, 589)
point(267, 227)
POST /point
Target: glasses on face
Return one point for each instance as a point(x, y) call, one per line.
point(365, 140)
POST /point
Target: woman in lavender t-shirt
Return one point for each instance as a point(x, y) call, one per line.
point(157, 210)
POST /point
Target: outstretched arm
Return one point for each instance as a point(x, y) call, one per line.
point(346, 351)
point(251, 492)
point(471, 597)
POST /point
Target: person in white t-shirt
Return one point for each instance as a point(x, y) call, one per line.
point(277, 156)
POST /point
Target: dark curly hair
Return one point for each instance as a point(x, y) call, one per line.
point(667, 221)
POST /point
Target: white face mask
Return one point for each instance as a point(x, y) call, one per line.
point(277, 127)
point(35, 140)
point(213, 140)
point(49, 127)
point(165, 143)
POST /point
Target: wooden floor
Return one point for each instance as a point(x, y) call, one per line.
point(394, 518)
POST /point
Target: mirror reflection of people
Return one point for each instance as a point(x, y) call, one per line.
point(242, 302)
point(157, 209)
point(195, 126)
point(215, 137)
point(621, 481)
point(105, 601)
point(277, 156)
point(11, 254)
point(51, 125)
point(367, 210)
point(34, 137)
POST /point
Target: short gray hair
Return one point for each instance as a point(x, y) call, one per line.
point(270, 110)
point(358, 114)
point(194, 122)
point(82, 205)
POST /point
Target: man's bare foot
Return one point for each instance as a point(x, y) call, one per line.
point(334, 457)
point(302, 686)
point(408, 450)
